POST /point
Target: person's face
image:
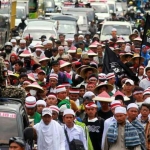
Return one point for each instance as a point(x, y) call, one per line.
point(88, 73)
point(13, 43)
point(136, 61)
point(144, 50)
point(54, 115)
point(22, 45)
point(44, 63)
point(68, 119)
point(12, 59)
point(123, 46)
point(46, 119)
point(53, 82)
point(81, 92)
point(30, 111)
point(41, 76)
point(113, 33)
point(81, 46)
point(61, 38)
point(51, 101)
point(91, 112)
point(112, 81)
point(148, 73)
point(132, 113)
point(60, 51)
point(17, 67)
point(141, 71)
point(62, 95)
point(121, 118)
point(100, 69)
point(40, 108)
point(142, 23)
point(49, 45)
point(128, 87)
point(54, 53)
point(102, 89)
point(73, 96)
point(25, 85)
point(76, 38)
point(144, 111)
point(80, 38)
point(94, 81)
point(69, 43)
point(23, 79)
point(90, 87)
point(104, 105)
point(86, 61)
point(99, 49)
point(15, 146)
point(67, 68)
point(138, 96)
point(38, 53)
point(56, 68)
point(146, 96)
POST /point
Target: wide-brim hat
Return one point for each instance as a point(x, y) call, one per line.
point(109, 87)
point(137, 56)
point(138, 39)
point(31, 77)
point(25, 53)
point(126, 54)
point(103, 97)
point(82, 72)
point(10, 73)
point(79, 69)
point(44, 58)
point(130, 36)
point(34, 85)
point(64, 63)
point(91, 53)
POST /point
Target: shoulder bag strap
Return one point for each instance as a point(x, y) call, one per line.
point(67, 137)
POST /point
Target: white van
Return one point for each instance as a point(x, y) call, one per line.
point(124, 29)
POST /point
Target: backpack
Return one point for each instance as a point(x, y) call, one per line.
point(75, 144)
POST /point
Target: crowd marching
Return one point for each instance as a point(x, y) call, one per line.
point(70, 99)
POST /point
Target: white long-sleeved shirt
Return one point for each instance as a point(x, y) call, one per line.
point(76, 132)
point(144, 83)
point(107, 124)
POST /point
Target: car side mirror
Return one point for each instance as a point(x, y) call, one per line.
point(29, 135)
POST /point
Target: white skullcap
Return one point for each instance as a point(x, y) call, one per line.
point(54, 108)
point(60, 88)
point(49, 42)
point(114, 29)
point(110, 75)
point(132, 105)
point(53, 76)
point(80, 36)
point(32, 45)
point(129, 81)
point(30, 102)
point(46, 111)
point(115, 103)
point(121, 110)
point(52, 96)
point(18, 38)
point(23, 41)
point(60, 47)
point(68, 112)
point(88, 94)
point(41, 102)
point(147, 100)
point(91, 104)
point(13, 41)
point(45, 42)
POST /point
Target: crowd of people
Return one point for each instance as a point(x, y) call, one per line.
point(70, 101)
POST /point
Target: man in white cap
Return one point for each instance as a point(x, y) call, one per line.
point(109, 121)
point(114, 35)
point(14, 43)
point(121, 134)
point(30, 104)
point(60, 52)
point(95, 125)
point(48, 50)
point(41, 104)
point(50, 135)
point(51, 99)
point(62, 95)
point(129, 86)
point(132, 110)
point(53, 81)
point(73, 131)
point(55, 112)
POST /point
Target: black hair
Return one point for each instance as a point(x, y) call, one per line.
point(22, 75)
point(147, 69)
point(145, 105)
point(61, 35)
point(119, 97)
point(19, 62)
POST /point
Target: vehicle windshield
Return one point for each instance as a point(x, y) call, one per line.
point(66, 28)
point(121, 29)
point(82, 20)
point(36, 34)
point(19, 13)
point(111, 7)
point(5, 10)
point(99, 8)
point(40, 24)
point(8, 124)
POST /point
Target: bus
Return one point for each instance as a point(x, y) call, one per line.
point(33, 9)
